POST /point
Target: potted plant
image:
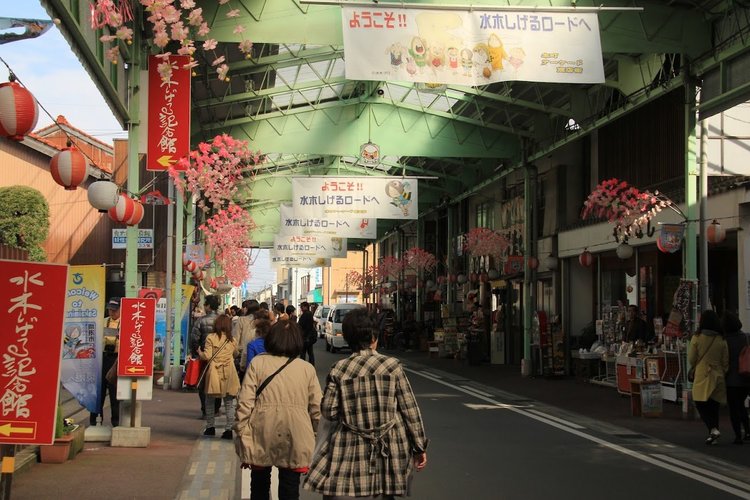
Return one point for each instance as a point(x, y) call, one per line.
point(60, 450)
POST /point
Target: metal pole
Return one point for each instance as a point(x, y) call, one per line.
point(177, 297)
point(529, 173)
point(690, 268)
point(168, 292)
point(705, 299)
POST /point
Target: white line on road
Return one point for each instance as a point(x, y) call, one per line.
point(712, 481)
point(556, 419)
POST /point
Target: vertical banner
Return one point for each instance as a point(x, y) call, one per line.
point(82, 348)
point(187, 293)
point(471, 47)
point(137, 319)
point(32, 303)
point(168, 112)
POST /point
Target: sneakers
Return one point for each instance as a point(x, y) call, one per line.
point(210, 431)
point(227, 435)
point(713, 436)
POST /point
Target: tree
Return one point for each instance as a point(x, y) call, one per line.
point(24, 220)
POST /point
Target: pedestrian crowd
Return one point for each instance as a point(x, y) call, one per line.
point(362, 436)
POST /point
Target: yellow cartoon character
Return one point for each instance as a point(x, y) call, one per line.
point(497, 52)
point(418, 52)
point(400, 195)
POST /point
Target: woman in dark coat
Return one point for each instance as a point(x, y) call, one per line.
point(738, 386)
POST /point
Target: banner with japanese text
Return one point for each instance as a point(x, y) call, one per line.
point(32, 307)
point(310, 245)
point(356, 197)
point(293, 223)
point(168, 112)
point(472, 47)
point(84, 332)
point(137, 321)
point(304, 262)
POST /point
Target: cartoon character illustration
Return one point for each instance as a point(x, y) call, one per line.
point(411, 67)
point(497, 52)
point(363, 224)
point(483, 60)
point(71, 341)
point(396, 51)
point(418, 52)
point(400, 195)
point(517, 55)
point(453, 59)
point(437, 56)
point(337, 244)
point(370, 154)
point(467, 61)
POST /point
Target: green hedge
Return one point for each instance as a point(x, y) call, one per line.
point(24, 220)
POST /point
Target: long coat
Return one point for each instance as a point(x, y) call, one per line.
point(379, 429)
point(714, 363)
point(221, 374)
point(736, 341)
point(278, 427)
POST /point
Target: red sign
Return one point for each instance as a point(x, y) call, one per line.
point(32, 306)
point(150, 293)
point(168, 112)
point(137, 321)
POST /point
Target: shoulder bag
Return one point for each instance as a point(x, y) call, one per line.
point(744, 366)
point(691, 373)
point(200, 379)
point(270, 377)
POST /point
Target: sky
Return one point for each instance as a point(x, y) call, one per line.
point(47, 67)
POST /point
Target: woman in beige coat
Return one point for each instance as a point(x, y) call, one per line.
point(277, 414)
point(709, 354)
point(221, 375)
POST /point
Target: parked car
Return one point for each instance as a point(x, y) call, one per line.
point(334, 338)
point(321, 317)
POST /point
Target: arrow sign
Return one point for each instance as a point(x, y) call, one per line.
point(136, 369)
point(165, 161)
point(8, 429)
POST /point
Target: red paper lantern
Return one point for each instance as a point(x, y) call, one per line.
point(533, 263)
point(452, 278)
point(586, 259)
point(715, 233)
point(191, 267)
point(123, 210)
point(198, 274)
point(441, 280)
point(18, 111)
point(68, 168)
point(137, 215)
point(484, 278)
point(473, 277)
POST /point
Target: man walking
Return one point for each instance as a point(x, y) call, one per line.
point(309, 334)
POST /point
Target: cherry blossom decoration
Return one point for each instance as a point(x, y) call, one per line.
point(627, 207)
point(419, 260)
point(214, 169)
point(388, 268)
point(481, 241)
point(228, 233)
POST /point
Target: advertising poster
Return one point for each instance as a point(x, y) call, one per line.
point(472, 47)
point(293, 223)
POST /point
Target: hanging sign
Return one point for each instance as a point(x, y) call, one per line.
point(308, 246)
point(299, 224)
point(137, 326)
point(472, 47)
point(373, 197)
point(168, 113)
point(369, 154)
point(670, 237)
point(32, 304)
point(305, 262)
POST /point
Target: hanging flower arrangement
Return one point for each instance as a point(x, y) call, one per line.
point(178, 21)
point(228, 233)
point(419, 260)
point(481, 241)
point(627, 207)
point(214, 169)
point(388, 268)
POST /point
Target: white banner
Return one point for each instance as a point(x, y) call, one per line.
point(471, 47)
point(293, 223)
point(308, 245)
point(290, 261)
point(373, 197)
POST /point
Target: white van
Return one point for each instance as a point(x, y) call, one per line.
point(334, 338)
point(321, 317)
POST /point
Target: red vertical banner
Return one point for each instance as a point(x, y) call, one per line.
point(32, 306)
point(137, 322)
point(168, 112)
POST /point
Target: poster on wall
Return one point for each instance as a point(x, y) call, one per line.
point(295, 223)
point(356, 197)
point(472, 47)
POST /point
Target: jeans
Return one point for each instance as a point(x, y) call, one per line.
point(212, 404)
point(737, 412)
point(709, 412)
point(260, 484)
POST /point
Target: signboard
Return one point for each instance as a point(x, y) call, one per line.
point(308, 246)
point(295, 223)
point(145, 238)
point(356, 197)
point(471, 47)
point(651, 398)
point(150, 293)
point(305, 262)
point(32, 305)
point(137, 322)
point(168, 113)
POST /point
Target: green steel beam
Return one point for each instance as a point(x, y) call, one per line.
point(287, 59)
point(257, 95)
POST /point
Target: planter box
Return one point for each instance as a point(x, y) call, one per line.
point(56, 453)
point(76, 445)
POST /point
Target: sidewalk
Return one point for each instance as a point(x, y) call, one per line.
point(181, 464)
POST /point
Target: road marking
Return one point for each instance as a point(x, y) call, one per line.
point(470, 388)
point(702, 471)
point(650, 459)
point(556, 419)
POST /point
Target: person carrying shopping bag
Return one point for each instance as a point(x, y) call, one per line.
point(221, 381)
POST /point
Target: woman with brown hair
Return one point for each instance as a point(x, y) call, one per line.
point(221, 375)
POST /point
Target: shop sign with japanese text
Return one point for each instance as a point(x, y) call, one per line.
point(356, 197)
point(168, 112)
point(145, 238)
point(308, 246)
point(303, 262)
point(137, 324)
point(32, 306)
point(471, 47)
point(294, 223)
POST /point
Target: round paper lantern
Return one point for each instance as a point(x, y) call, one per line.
point(624, 251)
point(429, 284)
point(551, 262)
point(493, 274)
point(484, 277)
point(461, 279)
point(18, 111)
point(715, 233)
point(185, 259)
point(473, 277)
point(441, 280)
point(198, 274)
point(452, 278)
point(103, 195)
point(533, 263)
point(191, 267)
point(123, 210)
point(585, 259)
point(137, 215)
point(68, 168)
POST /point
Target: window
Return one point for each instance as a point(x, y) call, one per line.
point(484, 215)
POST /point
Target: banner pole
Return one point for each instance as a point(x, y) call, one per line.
point(133, 390)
